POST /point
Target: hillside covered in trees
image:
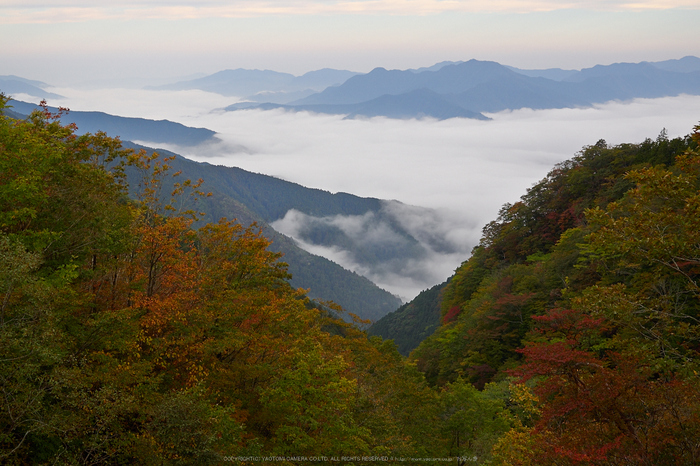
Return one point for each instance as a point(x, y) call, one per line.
point(587, 289)
point(130, 335)
point(413, 322)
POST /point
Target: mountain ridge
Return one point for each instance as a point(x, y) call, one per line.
point(16, 85)
point(127, 128)
point(242, 82)
point(479, 87)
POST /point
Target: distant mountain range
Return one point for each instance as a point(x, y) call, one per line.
point(263, 85)
point(479, 87)
point(453, 89)
point(418, 103)
point(449, 89)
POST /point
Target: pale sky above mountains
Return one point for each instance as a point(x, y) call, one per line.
point(78, 41)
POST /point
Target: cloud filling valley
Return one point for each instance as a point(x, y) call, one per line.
point(448, 178)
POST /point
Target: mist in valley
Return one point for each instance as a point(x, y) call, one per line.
point(443, 180)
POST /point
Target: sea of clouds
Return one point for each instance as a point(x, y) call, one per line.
point(449, 177)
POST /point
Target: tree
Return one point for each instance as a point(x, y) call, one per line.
point(473, 420)
point(617, 369)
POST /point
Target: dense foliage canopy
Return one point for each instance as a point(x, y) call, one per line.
point(571, 336)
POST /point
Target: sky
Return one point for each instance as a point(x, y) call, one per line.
point(93, 42)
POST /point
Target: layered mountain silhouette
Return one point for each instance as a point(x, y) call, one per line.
point(469, 89)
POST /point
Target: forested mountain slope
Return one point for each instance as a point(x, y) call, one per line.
point(129, 336)
point(413, 322)
point(587, 288)
point(523, 264)
point(553, 205)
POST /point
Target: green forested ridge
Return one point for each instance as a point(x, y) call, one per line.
point(413, 322)
point(530, 227)
point(528, 257)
